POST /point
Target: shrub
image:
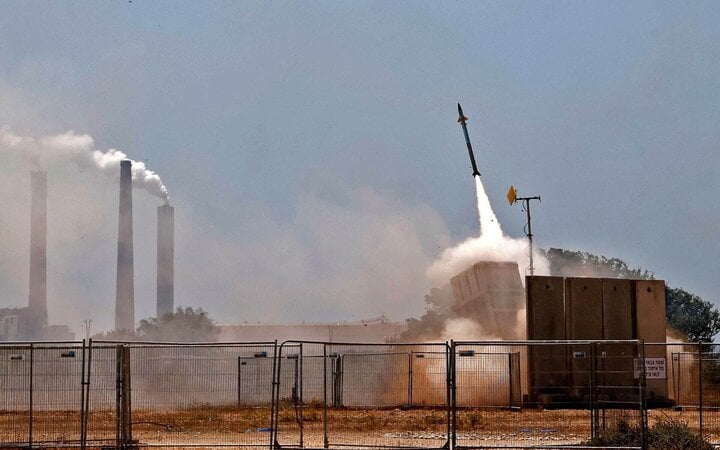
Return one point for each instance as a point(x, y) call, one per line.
point(667, 434)
point(673, 434)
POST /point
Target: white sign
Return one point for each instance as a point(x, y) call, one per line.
point(654, 368)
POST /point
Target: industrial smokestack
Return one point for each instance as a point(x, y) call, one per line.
point(125, 291)
point(165, 260)
point(37, 298)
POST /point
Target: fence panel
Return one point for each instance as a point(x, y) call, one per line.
point(428, 378)
point(694, 384)
point(40, 394)
point(361, 396)
point(102, 421)
point(330, 395)
point(710, 388)
point(255, 374)
point(538, 394)
point(57, 394)
point(187, 394)
point(15, 370)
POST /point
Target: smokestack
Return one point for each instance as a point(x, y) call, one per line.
point(37, 298)
point(165, 260)
point(125, 292)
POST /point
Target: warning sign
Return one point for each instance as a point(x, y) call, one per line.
point(654, 368)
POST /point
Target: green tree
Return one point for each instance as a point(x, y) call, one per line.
point(431, 324)
point(687, 313)
point(570, 263)
point(696, 318)
point(116, 335)
point(184, 325)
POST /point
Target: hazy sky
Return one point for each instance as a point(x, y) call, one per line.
point(313, 154)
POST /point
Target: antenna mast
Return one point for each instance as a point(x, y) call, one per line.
point(512, 198)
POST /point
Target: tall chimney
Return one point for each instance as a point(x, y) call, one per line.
point(165, 260)
point(37, 298)
point(125, 292)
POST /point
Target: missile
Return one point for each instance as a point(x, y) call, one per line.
point(462, 119)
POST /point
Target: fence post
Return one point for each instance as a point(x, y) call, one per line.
point(275, 394)
point(122, 397)
point(643, 384)
point(510, 380)
point(239, 380)
point(593, 383)
point(82, 400)
point(126, 397)
point(87, 391)
point(700, 387)
point(410, 379)
point(300, 397)
point(326, 442)
point(452, 395)
point(337, 379)
point(118, 393)
point(30, 424)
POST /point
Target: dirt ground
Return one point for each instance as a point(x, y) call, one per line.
point(347, 427)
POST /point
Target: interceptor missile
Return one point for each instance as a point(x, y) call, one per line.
point(462, 119)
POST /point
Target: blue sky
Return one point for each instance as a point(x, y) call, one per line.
point(312, 152)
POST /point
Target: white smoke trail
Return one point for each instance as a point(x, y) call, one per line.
point(491, 245)
point(79, 149)
point(489, 225)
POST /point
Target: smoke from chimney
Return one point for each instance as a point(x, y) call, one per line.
point(165, 260)
point(125, 291)
point(79, 148)
point(37, 298)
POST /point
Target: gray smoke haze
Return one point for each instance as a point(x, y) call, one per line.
point(344, 259)
point(350, 257)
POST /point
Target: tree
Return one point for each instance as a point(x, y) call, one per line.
point(569, 263)
point(116, 335)
point(698, 319)
point(184, 325)
point(687, 313)
point(432, 324)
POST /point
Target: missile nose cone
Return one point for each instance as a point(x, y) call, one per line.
point(461, 116)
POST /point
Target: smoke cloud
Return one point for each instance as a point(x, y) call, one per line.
point(349, 257)
point(79, 148)
point(491, 245)
point(464, 329)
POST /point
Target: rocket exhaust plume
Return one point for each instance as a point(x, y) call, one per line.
point(165, 260)
point(490, 245)
point(125, 288)
point(37, 299)
point(489, 225)
point(79, 148)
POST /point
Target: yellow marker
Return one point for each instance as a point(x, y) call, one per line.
point(512, 195)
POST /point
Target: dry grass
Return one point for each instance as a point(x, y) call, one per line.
point(250, 425)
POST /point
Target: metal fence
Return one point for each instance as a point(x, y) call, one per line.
point(301, 394)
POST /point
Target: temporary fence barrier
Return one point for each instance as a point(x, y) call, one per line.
point(361, 395)
point(306, 394)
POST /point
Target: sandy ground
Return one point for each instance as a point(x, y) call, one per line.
point(356, 428)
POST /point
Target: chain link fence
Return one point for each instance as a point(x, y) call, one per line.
point(333, 395)
point(693, 384)
point(300, 394)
